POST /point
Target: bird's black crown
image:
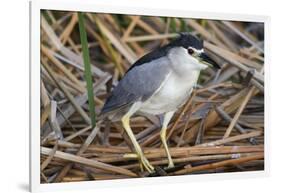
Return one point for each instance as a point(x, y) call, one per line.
point(186, 40)
point(183, 40)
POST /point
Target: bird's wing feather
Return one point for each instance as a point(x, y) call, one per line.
point(138, 84)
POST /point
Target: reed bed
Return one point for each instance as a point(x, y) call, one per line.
point(219, 129)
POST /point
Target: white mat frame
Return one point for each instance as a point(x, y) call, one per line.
point(94, 6)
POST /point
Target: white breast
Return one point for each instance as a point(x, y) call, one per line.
point(172, 94)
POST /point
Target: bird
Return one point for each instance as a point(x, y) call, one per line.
point(158, 83)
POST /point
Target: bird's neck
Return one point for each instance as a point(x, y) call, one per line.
point(190, 76)
point(182, 63)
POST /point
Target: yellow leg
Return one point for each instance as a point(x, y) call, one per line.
point(166, 121)
point(142, 158)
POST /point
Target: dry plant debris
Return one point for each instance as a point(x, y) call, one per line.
point(219, 129)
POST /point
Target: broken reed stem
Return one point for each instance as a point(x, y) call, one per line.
point(149, 37)
point(220, 164)
point(238, 113)
point(170, 131)
point(50, 157)
point(116, 41)
point(89, 162)
point(132, 25)
point(70, 137)
point(185, 128)
point(160, 152)
point(195, 158)
point(232, 139)
point(67, 94)
point(83, 148)
point(183, 152)
point(225, 116)
point(241, 34)
point(213, 118)
point(62, 67)
point(229, 57)
point(88, 71)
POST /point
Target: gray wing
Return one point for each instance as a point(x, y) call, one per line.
point(138, 84)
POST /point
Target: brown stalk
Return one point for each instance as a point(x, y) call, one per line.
point(89, 162)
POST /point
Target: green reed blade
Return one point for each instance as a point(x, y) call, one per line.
point(88, 74)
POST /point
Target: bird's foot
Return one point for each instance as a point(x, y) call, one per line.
point(170, 165)
point(145, 163)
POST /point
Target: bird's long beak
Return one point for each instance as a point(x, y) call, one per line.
point(204, 58)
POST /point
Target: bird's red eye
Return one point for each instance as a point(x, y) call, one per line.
point(190, 51)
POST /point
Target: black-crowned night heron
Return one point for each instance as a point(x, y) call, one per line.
point(158, 83)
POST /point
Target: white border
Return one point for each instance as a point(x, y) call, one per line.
point(88, 6)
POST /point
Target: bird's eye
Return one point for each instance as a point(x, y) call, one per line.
point(190, 51)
